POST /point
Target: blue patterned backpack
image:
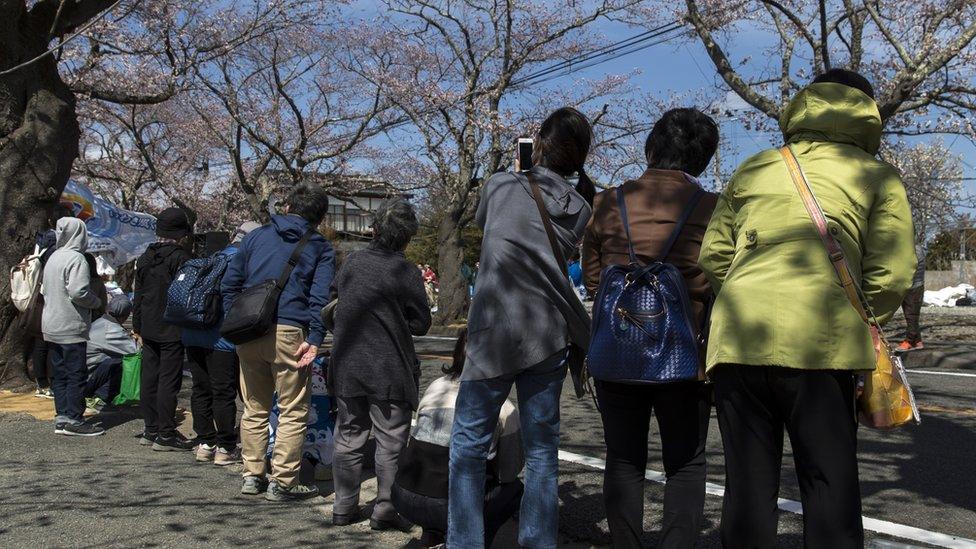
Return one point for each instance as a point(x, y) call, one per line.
point(643, 326)
point(193, 299)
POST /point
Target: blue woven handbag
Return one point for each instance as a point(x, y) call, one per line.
point(643, 328)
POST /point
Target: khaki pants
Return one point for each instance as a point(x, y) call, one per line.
point(268, 365)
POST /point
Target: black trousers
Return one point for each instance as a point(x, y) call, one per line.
point(41, 363)
point(912, 307)
point(816, 407)
point(161, 379)
point(501, 503)
point(216, 379)
point(682, 413)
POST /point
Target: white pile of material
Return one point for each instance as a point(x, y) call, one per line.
point(946, 297)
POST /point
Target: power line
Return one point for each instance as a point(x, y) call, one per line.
point(607, 53)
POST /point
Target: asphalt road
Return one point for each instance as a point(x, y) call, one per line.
point(110, 492)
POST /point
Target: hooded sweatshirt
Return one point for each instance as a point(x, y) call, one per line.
point(262, 256)
point(68, 296)
point(518, 316)
point(155, 270)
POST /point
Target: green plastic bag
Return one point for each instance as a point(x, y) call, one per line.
point(131, 373)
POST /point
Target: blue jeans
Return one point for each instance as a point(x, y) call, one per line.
point(475, 418)
point(70, 379)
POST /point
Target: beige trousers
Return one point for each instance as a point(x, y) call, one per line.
point(269, 364)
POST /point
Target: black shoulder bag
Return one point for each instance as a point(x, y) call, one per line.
point(254, 312)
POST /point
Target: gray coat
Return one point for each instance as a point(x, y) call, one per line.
point(518, 314)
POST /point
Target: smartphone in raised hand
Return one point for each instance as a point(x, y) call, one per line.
point(523, 154)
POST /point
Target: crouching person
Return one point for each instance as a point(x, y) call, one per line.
point(108, 342)
point(420, 491)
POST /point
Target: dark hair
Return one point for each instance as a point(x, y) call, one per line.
point(457, 365)
point(847, 78)
point(562, 144)
point(311, 203)
point(682, 139)
point(394, 224)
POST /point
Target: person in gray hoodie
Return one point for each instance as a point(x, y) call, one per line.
point(108, 342)
point(68, 304)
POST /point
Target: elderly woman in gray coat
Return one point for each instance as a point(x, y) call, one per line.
point(374, 370)
point(518, 333)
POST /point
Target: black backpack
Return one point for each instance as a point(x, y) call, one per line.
point(254, 312)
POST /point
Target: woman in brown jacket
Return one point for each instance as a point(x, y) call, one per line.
point(678, 149)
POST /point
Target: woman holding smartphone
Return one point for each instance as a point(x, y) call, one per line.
point(517, 334)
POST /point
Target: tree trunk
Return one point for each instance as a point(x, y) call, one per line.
point(39, 137)
point(452, 302)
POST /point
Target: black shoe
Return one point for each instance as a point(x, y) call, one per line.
point(346, 520)
point(173, 444)
point(146, 439)
point(398, 523)
point(78, 430)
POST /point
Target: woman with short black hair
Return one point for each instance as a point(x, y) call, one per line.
point(374, 372)
point(678, 150)
point(519, 329)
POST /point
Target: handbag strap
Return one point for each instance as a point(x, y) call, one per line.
point(546, 222)
point(834, 250)
point(680, 224)
point(293, 259)
point(622, 206)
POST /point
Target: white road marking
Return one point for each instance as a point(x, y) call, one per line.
point(933, 373)
point(436, 338)
point(875, 525)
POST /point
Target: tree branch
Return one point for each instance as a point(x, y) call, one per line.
point(724, 67)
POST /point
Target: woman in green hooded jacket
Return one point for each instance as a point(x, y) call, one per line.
point(785, 342)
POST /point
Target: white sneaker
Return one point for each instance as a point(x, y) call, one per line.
point(224, 458)
point(205, 452)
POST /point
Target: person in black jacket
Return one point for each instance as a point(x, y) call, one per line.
point(374, 371)
point(162, 349)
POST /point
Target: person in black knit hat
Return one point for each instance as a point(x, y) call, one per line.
point(162, 350)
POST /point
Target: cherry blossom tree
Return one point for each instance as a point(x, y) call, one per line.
point(120, 51)
point(933, 177)
point(918, 53)
point(282, 109)
point(457, 73)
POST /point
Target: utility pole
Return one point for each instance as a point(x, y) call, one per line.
point(962, 252)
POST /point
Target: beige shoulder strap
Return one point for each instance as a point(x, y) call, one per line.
point(834, 249)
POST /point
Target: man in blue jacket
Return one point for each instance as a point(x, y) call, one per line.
point(279, 362)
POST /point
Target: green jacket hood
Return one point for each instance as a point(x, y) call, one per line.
point(835, 113)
